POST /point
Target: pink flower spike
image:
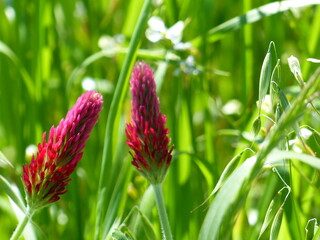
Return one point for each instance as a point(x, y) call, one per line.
point(146, 134)
point(48, 174)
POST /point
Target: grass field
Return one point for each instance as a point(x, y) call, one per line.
point(215, 71)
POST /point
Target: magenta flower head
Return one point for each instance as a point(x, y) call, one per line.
point(48, 174)
point(147, 135)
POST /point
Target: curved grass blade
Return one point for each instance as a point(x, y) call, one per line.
point(276, 224)
point(115, 107)
point(23, 72)
point(231, 166)
point(4, 160)
point(278, 156)
point(311, 228)
point(226, 197)
point(317, 235)
point(252, 16)
point(275, 206)
point(7, 188)
point(265, 76)
point(118, 235)
point(148, 227)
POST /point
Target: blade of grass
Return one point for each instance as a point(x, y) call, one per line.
point(114, 110)
point(6, 187)
point(252, 16)
point(231, 193)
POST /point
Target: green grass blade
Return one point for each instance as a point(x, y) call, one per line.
point(276, 224)
point(265, 76)
point(227, 196)
point(317, 235)
point(252, 16)
point(7, 188)
point(4, 161)
point(24, 74)
point(115, 107)
point(148, 227)
point(311, 228)
point(275, 206)
point(277, 156)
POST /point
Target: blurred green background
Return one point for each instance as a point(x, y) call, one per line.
point(52, 51)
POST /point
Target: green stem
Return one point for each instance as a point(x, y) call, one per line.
point(116, 104)
point(22, 224)
point(167, 235)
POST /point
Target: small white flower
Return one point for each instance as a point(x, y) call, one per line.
point(182, 46)
point(10, 13)
point(158, 31)
point(188, 66)
point(232, 107)
point(88, 84)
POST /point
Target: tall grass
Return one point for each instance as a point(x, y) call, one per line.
point(48, 49)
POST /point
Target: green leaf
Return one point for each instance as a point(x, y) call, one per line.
point(252, 16)
point(275, 228)
point(148, 227)
point(4, 160)
point(283, 99)
point(275, 206)
point(11, 192)
point(256, 126)
point(226, 197)
point(265, 76)
point(311, 228)
point(275, 81)
point(114, 112)
point(118, 235)
point(277, 156)
point(24, 74)
point(317, 235)
point(231, 166)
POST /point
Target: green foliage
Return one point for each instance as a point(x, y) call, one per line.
point(225, 94)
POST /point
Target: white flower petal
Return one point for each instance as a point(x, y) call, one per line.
point(155, 23)
point(154, 36)
point(174, 33)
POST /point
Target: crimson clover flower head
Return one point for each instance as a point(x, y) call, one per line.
point(147, 134)
point(48, 174)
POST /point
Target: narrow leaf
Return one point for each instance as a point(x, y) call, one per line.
point(276, 155)
point(228, 170)
point(4, 160)
point(252, 16)
point(8, 189)
point(256, 126)
point(311, 228)
point(265, 77)
point(226, 197)
point(118, 235)
point(275, 205)
point(275, 228)
point(275, 81)
point(148, 227)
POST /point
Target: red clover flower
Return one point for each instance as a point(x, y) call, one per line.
point(48, 174)
point(147, 135)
